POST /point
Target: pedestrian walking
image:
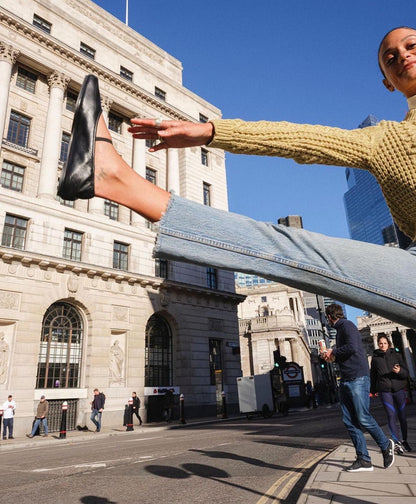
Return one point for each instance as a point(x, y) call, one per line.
point(354, 390)
point(136, 407)
point(97, 408)
point(388, 380)
point(41, 417)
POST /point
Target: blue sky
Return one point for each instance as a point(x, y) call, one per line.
point(305, 61)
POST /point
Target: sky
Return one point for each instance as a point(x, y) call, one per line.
point(304, 61)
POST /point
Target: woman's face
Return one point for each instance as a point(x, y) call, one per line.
point(397, 58)
point(383, 344)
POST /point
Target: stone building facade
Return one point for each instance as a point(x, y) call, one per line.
point(272, 317)
point(82, 302)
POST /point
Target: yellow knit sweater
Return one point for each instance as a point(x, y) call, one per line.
point(387, 150)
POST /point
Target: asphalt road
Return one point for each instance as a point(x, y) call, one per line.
point(257, 461)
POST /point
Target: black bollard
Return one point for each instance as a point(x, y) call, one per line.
point(224, 405)
point(129, 423)
point(62, 432)
point(182, 409)
point(1, 418)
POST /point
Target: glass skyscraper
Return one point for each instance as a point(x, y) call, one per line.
point(368, 216)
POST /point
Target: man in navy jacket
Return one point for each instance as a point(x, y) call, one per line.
point(350, 355)
point(97, 408)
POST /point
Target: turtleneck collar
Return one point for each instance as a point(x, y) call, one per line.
point(411, 102)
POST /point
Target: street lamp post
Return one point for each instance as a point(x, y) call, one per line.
point(248, 334)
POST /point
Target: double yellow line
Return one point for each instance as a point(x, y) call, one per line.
point(288, 480)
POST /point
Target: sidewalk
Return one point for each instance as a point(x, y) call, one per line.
point(330, 484)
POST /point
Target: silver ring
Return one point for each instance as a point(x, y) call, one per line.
point(158, 122)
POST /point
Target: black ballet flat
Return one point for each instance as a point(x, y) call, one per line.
point(77, 178)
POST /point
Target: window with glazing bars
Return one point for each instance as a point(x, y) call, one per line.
point(211, 278)
point(14, 232)
point(120, 256)
point(204, 157)
point(72, 245)
point(161, 268)
point(26, 80)
point(207, 193)
point(42, 23)
point(87, 50)
point(126, 74)
point(158, 353)
point(64, 147)
point(160, 93)
point(60, 354)
point(19, 127)
point(71, 101)
point(12, 176)
point(111, 209)
point(115, 122)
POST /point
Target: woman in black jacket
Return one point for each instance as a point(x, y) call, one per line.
point(388, 380)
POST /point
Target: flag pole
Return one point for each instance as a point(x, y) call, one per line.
point(127, 12)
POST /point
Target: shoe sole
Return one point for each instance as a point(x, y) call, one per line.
point(361, 469)
point(392, 445)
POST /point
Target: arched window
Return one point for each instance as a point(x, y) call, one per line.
point(158, 360)
point(59, 363)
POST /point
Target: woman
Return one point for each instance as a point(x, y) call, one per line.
point(352, 271)
point(388, 381)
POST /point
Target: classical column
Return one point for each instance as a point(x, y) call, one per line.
point(407, 353)
point(374, 334)
point(96, 205)
point(294, 350)
point(172, 168)
point(8, 57)
point(139, 166)
point(53, 136)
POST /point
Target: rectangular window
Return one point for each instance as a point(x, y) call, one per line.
point(161, 268)
point(67, 203)
point(203, 118)
point(72, 245)
point(215, 360)
point(207, 194)
point(204, 157)
point(12, 176)
point(115, 122)
point(71, 101)
point(19, 126)
point(120, 256)
point(111, 209)
point(26, 80)
point(42, 23)
point(151, 175)
point(264, 299)
point(126, 74)
point(160, 93)
point(64, 147)
point(212, 278)
point(87, 50)
point(14, 232)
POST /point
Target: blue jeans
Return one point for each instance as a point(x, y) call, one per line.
point(7, 425)
point(96, 418)
point(378, 279)
point(355, 405)
point(38, 421)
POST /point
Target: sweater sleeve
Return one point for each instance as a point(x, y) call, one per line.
point(304, 143)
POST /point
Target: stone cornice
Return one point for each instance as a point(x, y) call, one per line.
point(88, 65)
point(93, 271)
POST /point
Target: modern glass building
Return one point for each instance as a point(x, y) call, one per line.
point(368, 216)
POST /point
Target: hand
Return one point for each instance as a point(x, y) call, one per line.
point(328, 356)
point(101, 410)
point(396, 368)
point(176, 134)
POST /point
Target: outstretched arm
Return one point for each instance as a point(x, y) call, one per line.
point(177, 134)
